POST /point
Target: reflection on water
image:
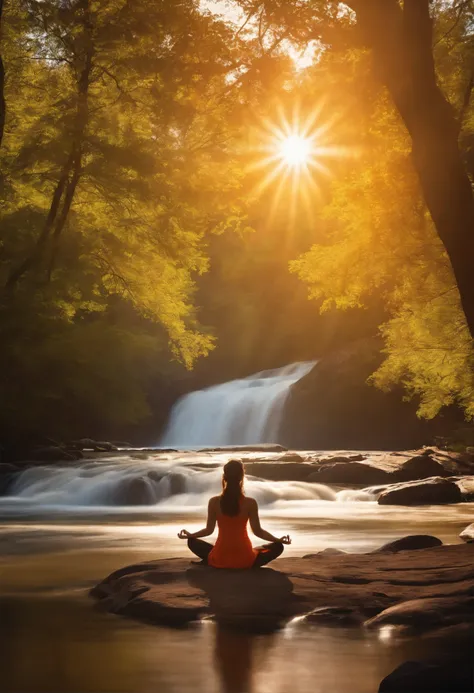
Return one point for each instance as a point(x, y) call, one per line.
point(53, 639)
point(233, 660)
point(63, 645)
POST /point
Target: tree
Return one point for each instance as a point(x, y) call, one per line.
point(401, 42)
point(117, 164)
point(130, 134)
point(400, 39)
point(3, 106)
point(379, 242)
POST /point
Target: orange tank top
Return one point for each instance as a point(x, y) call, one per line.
point(233, 548)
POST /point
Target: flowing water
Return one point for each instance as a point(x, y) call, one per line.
point(239, 412)
point(62, 529)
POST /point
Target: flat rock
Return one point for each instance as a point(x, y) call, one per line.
point(369, 469)
point(257, 447)
point(433, 491)
point(279, 471)
point(353, 586)
point(349, 473)
point(412, 543)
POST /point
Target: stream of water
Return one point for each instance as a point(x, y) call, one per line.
point(238, 412)
point(63, 529)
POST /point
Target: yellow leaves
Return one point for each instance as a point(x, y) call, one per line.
point(380, 242)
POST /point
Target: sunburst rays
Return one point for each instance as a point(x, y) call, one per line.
point(294, 157)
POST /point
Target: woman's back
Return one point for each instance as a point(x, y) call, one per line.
point(232, 511)
point(233, 548)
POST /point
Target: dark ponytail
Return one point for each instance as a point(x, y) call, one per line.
point(232, 484)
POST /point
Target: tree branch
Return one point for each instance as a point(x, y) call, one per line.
point(464, 4)
point(466, 100)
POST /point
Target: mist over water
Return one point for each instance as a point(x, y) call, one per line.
point(162, 483)
point(239, 412)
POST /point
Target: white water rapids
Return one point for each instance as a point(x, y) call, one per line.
point(239, 412)
point(177, 482)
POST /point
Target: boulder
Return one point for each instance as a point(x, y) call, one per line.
point(291, 457)
point(329, 552)
point(449, 676)
point(428, 613)
point(349, 473)
point(325, 552)
point(420, 467)
point(177, 483)
point(279, 471)
point(467, 534)
point(435, 491)
point(410, 543)
point(134, 491)
point(334, 587)
point(335, 616)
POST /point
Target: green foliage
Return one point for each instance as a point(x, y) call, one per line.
point(379, 243)
point(125, 176)
point(122, 102)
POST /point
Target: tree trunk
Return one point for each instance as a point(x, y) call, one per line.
point(70, 176)
point(401, 42)
point(61, 221)
point(34, 257)
point(3, 105)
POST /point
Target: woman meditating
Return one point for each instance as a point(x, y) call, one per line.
point(232, 511)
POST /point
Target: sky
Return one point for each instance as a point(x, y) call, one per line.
point(234, 13)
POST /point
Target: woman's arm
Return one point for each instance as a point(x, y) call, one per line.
point(257, 528)
point(210, 525)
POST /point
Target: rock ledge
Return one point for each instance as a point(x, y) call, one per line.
point(439, 583)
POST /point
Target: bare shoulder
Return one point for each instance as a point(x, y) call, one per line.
point(250, 503)
point(214, 501)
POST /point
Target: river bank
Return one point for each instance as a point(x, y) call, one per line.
point(65, 530)
point(49, 564)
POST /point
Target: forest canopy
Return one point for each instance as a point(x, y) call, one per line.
point(149, 216)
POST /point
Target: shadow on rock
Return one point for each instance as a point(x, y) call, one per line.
point(257, 601)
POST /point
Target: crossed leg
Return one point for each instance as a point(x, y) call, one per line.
point(265, 554)
point(268, 553)
point(201, 548)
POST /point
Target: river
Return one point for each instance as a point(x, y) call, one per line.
point(62, 529)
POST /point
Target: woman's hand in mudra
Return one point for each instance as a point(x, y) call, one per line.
point(286, 539)
point(184, 534)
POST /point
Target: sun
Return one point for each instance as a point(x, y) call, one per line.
point(295, 150)
point(293, 154)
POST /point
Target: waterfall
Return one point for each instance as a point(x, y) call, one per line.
point(162, 483)
point(239, 412)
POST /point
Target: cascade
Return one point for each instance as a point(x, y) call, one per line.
point(239, 412)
